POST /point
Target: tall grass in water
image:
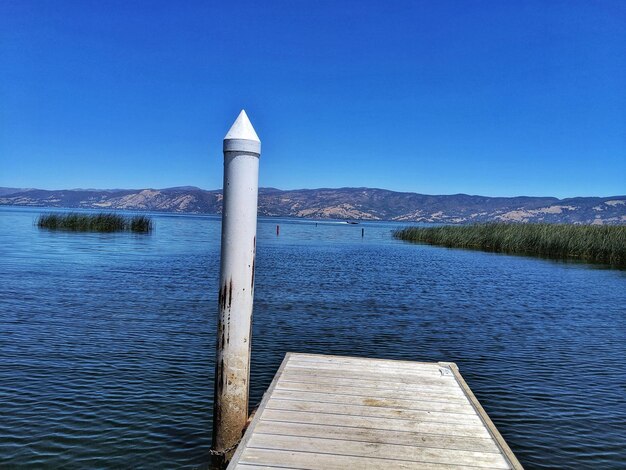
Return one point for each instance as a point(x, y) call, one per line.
point(606, 244)
point(102, 222)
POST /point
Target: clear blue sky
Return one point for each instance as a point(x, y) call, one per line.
point(495, 98)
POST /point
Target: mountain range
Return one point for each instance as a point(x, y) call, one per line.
point(341, 203)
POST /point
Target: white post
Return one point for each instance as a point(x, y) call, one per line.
point(242, 149)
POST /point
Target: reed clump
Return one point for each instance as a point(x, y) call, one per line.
point(101, 222)
point(599, 243)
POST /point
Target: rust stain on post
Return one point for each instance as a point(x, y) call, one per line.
point(230, 294)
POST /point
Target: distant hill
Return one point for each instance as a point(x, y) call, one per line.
point(4, 191)
point(342, 203)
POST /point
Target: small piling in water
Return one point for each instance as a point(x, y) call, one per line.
point(277, 230)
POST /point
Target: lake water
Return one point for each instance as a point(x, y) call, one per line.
point(107, 341)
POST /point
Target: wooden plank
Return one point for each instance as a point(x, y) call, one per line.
point(378, 450)
point(251, 466)
point(417, 394)
point(372, 411)
point(382, 374)
point(381, 436)
point(367, 422)
point(372, 384)
point(432, 376)
point(388, 402)
point(325, 358)
point(422, 370)
point(321, 461)
point(363, 362)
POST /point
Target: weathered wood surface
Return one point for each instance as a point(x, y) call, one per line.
point(335, 412)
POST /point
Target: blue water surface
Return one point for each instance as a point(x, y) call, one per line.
point(107, 341)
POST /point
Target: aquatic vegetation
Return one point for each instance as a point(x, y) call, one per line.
point(601, 243)
point(101, 222)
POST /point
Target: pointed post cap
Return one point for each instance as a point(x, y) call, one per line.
point(242, 137)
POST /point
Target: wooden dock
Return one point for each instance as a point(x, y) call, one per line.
point(335, 412)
